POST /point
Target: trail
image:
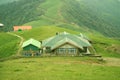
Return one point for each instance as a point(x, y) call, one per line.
point(21, 42)
point(112, 61)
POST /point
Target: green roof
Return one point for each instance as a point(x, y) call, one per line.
point(32, 42)
point(83, 36)
point(1, 24)
point(63, 38)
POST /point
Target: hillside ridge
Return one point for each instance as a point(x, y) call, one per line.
point(103, 16)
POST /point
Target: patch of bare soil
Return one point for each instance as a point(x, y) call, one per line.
point(112, 61)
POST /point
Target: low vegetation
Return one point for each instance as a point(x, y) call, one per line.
point(43, 32)
point(17, 14)
point(58, 68)
point(8, 45)
point(48, 17)
point(103, 16)
point(6, 1)
point(107, 47)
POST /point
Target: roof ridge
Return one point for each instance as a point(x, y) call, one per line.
point(66, 39)
point(31, 40)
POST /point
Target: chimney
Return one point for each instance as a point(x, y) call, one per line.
point(57, 33)
point(41, 42)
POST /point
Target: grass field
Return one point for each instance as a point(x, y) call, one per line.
point(58, 68)
point(8, 45)
point(49, 17)
point(41, 33)
point(107, 47)
point(6, 1)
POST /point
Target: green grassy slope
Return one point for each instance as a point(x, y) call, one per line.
point(107, 47)
point(8, 45)
point(6, 1)
point(58, 68)
point(43, 32)
point(103, 16)
point(100, 15)
point(20, 12)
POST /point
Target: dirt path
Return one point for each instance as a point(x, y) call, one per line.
point(112, 61)
point(21, 42)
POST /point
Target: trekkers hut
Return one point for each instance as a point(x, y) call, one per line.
point(66, 44)
point(1, 25)
point(21, 28)
point(31, 47)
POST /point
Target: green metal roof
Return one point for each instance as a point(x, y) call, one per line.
point(1, 24)
point(63, 38)
point(32, 42)
point(83, 36)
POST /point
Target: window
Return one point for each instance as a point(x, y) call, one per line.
point(66, 51)
point(71, 50)
point(61, 50)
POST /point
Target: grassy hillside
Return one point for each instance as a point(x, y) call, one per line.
point(94, 18)
point(103, 16)
point(107, 47)
point(100, 15)
point(43, 32)
point(20, 12)
point(6, 1)
point(8, 45)
point(58, 68)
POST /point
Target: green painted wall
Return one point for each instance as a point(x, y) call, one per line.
point(31, 47)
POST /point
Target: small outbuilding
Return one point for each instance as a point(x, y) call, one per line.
point(21, 28)
point(1, 25)
point(31, 47)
